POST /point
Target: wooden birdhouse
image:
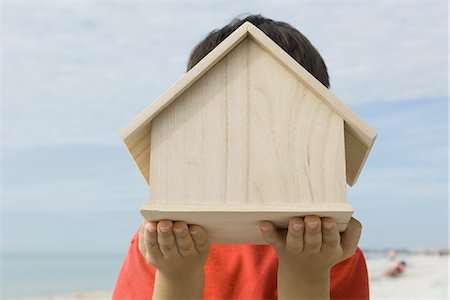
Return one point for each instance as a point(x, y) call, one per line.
point(247, 135)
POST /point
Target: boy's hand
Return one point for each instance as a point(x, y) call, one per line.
point(307, 251)
point(176, 250)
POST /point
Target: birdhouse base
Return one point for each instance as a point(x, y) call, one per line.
point(239, 224)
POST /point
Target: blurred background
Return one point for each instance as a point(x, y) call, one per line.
point(75, 72)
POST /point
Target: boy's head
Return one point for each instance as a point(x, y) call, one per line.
point(286, 36)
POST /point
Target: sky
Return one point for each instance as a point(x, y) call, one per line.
point(74, 73)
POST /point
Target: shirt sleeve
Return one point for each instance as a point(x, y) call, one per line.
point(136, 277)
point(349, 279)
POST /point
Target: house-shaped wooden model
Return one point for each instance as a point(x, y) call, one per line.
point(247, 135)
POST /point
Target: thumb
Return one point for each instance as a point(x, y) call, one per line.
point(350, 237)
point(271, 235)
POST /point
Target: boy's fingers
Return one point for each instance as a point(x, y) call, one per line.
point(330, 235)
point(294, 239)
point(141, 234)
point(166, 239)
point(313, 234)
point(151, 241)
point(184, 240)
point(271, 235)
point(350, 238)
point(200, 238)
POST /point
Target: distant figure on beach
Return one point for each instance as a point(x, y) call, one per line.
point(395, 271)
point(392, 254)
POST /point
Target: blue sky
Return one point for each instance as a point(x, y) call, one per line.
point(74, 73)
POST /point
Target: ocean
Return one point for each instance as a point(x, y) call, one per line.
point(44, 274)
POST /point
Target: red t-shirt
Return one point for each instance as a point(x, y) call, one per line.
point(239, 272)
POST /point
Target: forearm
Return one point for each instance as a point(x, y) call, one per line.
point(291, 286)
point(186, 286)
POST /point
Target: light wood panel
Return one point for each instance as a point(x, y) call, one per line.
point(247, 132)
point(188, 146)
point(135, 134)
point(296, 141)
point(238, 225)
point(359, 135)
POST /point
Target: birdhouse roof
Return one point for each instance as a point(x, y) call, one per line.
point(359, 136)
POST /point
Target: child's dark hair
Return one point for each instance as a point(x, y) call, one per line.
point(286, 36)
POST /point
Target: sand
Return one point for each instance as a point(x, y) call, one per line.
point(98, 295)
point(425, 277)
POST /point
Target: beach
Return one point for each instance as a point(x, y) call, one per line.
point(424, 277)
point(98, 295)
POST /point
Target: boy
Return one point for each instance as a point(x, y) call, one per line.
point(309, 260)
